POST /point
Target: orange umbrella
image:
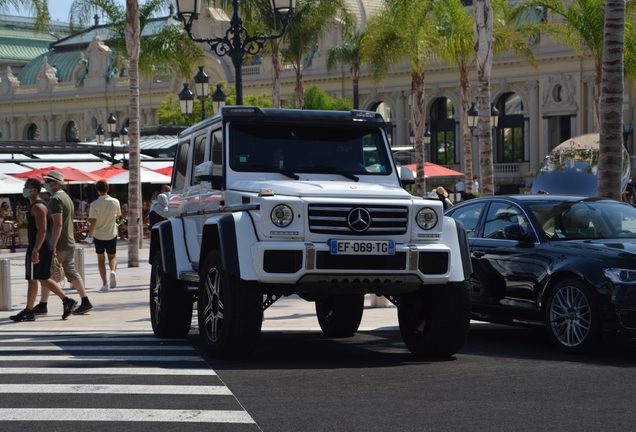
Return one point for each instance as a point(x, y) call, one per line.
point(434, 170)
point(71, 175)
point(165, 171)
point(108, 172)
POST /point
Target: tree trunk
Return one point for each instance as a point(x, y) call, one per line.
point(300, 91)
point(611, 106)
point(355, 76)
point(483, 54)
point(418, 109)
point(596, 95)
point(466, 95)
point(133, 34)
point(277, 66)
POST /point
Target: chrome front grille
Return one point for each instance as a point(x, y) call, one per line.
point(358, 219)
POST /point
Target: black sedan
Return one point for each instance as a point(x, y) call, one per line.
point(564, 262)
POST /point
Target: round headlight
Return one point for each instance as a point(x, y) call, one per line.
point(282, 215)
point(426, 218)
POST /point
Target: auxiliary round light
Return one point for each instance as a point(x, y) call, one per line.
point(282, 215)
point(426, 218)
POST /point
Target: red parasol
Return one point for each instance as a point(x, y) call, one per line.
point(165, 171)
point(108, 172)
point(71, 175)
point(434, 170)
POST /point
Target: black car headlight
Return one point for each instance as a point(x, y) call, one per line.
point(426, 218)
point(282, 215)
point(621, 276)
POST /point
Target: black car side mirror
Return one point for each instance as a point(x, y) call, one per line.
point(515, 232)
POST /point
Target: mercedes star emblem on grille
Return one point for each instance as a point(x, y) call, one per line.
point(359, 219)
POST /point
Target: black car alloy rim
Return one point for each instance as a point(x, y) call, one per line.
point(213, 312)
point(156, 293)
point(570, 316)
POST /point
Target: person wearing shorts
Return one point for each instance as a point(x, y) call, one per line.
point(103, 215)
point(39, 255)
point(62, 210)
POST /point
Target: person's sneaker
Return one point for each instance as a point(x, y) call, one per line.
point(104, 288)
point(113, 280)
point(40, 309)
point(83, 308)
point(69, 305)
point(24, 315)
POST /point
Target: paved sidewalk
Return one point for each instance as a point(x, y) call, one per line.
point(125, 308)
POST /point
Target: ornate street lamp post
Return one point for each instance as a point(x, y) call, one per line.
point(123, 139)
point(186, 100)
point(202, 88)
point(219, 97)
point(236, 43)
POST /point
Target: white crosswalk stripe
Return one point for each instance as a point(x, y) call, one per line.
point(167, 379)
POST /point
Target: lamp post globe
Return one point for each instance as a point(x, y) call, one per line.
point(473, 116)
point(494, 116)
point(237, 43)
point(100, 134)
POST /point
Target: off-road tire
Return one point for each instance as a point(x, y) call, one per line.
point(170, 303)
point(434, 320)
point(230, 311)
point(340, 315)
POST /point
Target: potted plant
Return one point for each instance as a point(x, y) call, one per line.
point(24, 238)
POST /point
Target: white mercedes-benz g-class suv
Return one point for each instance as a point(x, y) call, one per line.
point(267, 203)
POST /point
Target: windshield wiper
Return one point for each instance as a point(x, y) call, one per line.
point(270, 169)
point(319, 169)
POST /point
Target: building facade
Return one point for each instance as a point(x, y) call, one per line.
point(63, 94)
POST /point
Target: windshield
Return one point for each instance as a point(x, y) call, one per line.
point(301, 148)
point(585, 220)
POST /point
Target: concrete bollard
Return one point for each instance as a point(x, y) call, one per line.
point(5, 285)
point(379, 301)
point(79, 262)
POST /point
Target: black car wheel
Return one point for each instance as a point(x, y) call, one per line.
point(170, 303)
point(230, 311)
point(340, 315)
point(434, 321)
point(572, 317)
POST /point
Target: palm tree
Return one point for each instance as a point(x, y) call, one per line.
point(401, 32)
point(311, 19)
point(454, 44)
point(169, 49)
point(484, 56)
point(38, 7)
point(348, 53)
point(133, 46)
point(611, 144)
point(580, 24)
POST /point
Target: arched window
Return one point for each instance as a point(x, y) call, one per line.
point(443, 145)
point(33, 133)
point(71, 132)
point(510, 133)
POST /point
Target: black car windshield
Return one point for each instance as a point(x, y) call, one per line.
point(585, 220)
point(302, 148)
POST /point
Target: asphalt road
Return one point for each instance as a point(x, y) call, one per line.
point(504, 379)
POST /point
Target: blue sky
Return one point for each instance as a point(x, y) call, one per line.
point(59, 9)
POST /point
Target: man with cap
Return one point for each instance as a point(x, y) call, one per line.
point(39, 254)
point(62, 210)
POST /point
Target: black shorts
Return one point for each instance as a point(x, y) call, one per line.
point(108, 246)
point(41, 270)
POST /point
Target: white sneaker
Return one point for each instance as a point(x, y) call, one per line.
point(105, 288)
point(113, 280)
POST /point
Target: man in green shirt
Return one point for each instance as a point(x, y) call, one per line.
point(62, 211)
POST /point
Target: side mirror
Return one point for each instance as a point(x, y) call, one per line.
point(515, 232)
point(205, 172)
point(406, 176)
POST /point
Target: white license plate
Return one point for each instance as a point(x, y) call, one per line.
point(357, 247)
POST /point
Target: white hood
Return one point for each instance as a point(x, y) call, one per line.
point(323, 189)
